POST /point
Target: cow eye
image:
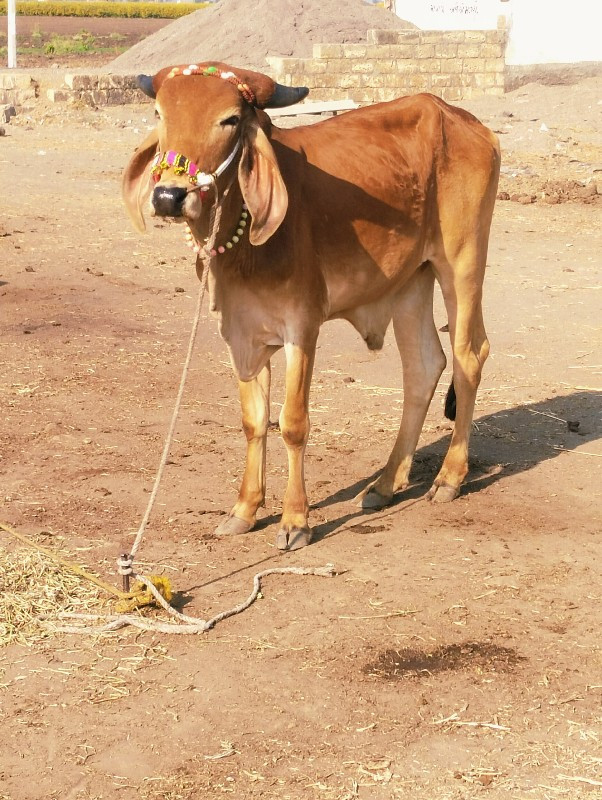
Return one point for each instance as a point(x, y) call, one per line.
point(233, 120)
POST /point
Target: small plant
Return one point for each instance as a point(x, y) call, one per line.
point(36, 36)
point(82, 42)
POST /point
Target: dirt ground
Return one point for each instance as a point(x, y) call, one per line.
point(457, 652)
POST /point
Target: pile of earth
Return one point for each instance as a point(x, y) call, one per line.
point(556, 191)
point(238, 34)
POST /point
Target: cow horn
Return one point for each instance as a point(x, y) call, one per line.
point(145, 82)
point(286, 96)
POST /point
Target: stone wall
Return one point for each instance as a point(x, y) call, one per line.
point(98, 90)
point(455, 65)
point(17, 88)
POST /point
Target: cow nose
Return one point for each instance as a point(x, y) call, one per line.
point(168, 200)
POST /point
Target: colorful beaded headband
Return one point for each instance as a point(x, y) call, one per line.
point(215, 72)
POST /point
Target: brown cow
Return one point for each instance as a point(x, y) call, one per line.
point(351, 218)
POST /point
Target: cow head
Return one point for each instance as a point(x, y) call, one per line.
point(207, 127)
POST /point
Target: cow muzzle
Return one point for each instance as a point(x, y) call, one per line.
point(168, 201)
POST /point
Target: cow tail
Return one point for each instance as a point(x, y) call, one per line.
point(450, 402)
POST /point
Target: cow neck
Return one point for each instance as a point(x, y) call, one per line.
point(232, 226)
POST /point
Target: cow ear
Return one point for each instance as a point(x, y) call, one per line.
point(135, 183)
point(263, 189)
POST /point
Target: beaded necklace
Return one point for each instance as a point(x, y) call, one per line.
point(235, 239)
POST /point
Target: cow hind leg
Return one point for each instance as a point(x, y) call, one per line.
point(255, 406)
point(461, 284)
point(423, 361)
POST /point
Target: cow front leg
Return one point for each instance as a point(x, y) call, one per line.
point(294, 426)
point(255, 406)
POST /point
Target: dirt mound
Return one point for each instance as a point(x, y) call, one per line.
point(229, 31)
point(554, 192)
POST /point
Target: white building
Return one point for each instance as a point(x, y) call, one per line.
point(539, 31)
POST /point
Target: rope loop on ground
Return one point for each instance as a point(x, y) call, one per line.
point(185, 623)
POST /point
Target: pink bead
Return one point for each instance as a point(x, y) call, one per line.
point(221, 249)
point(214, 252)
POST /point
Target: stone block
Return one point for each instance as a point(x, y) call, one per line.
point(484, 80)
point(446, 50)
point(451, 93)
point(363, 95)
point(473, 65)
point(354, 50)
point(378, 51)
point(395, 81)
point(316, 66)
point(492, 51)
point(327, 51)
point(469, 50)
point(431, 37)
point(60, 95)
point(426, 51)
point(81, 82)
point(420, 81)
point(475, 36)
point(406, 66)
point(364, 67)
point(350, 81)
point(15, 80)
point(382, 37)
point(496, 65)
point(432, 65)
point(385, 65)
point(453, 65)
point(386, 95)
point(403, 50)
point(374, 81)
point(337, 66)
point(319, 95)
point(453, 37)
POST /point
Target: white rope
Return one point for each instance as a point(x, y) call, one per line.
point(125, 561)
point(186, 623)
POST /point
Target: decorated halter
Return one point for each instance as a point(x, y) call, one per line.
point(182, 165)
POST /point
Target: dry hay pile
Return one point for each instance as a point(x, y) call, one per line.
point(33, 591)
point(241, 34)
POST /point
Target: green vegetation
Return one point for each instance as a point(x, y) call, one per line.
point(82, 42)
point(102, 8)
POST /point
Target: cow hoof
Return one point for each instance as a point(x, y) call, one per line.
point(373, 501)
point(442, 493)
point(232, 526)
point(294, 539)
